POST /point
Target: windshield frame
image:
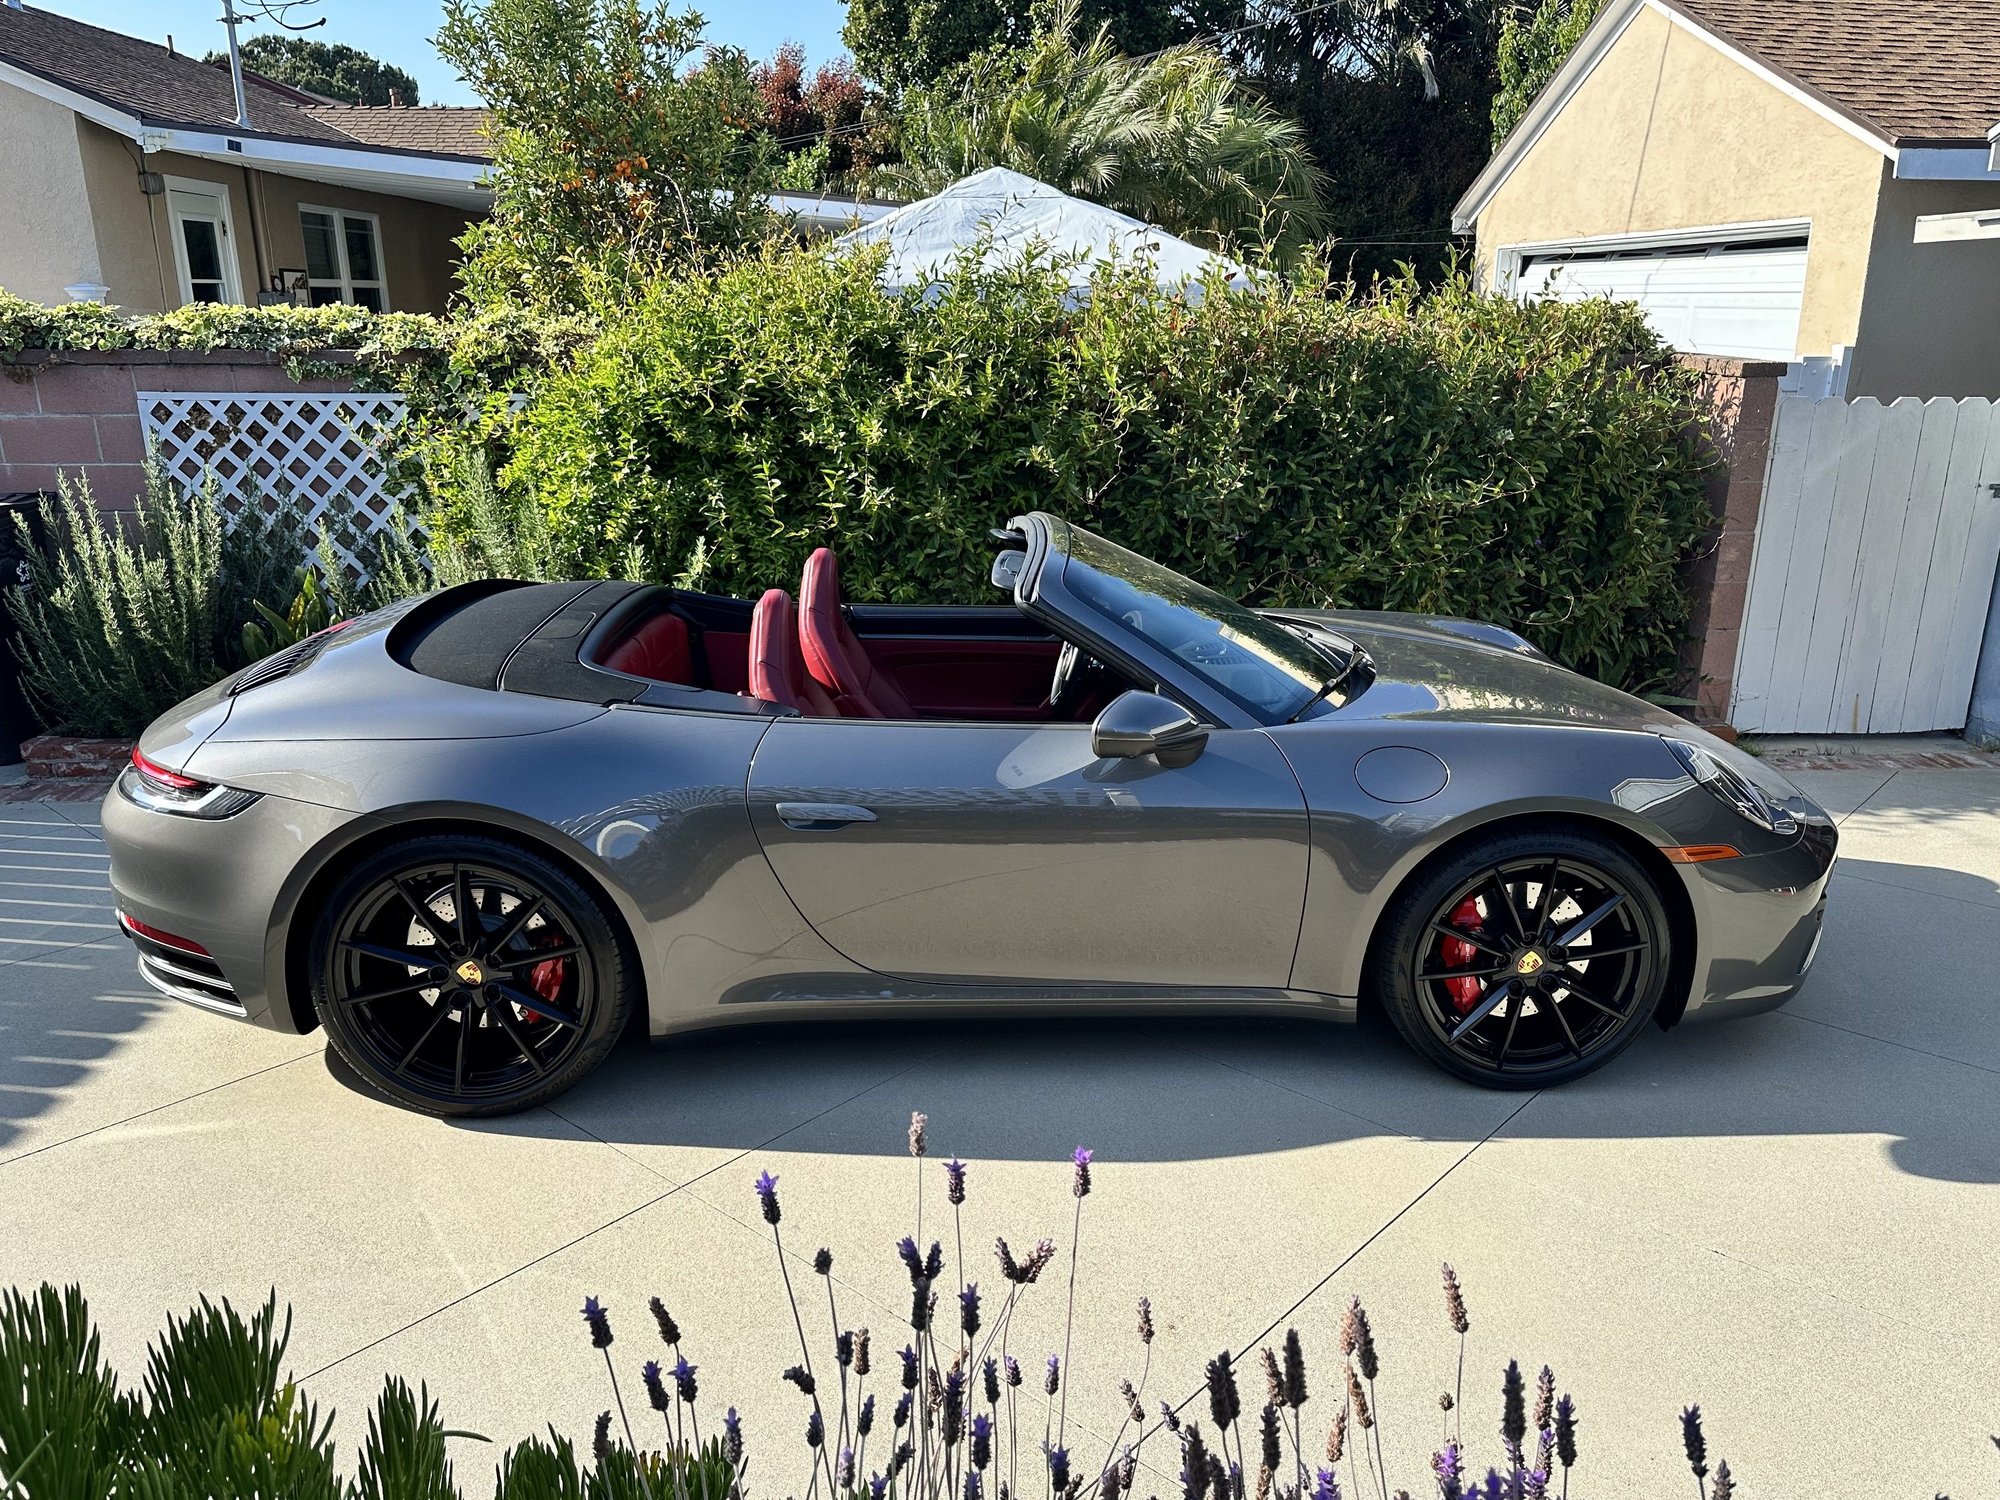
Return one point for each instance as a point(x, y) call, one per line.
point(1045, 589)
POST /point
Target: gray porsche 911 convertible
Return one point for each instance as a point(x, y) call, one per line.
point(471, 834)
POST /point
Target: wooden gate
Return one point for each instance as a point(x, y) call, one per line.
point(1873, 567)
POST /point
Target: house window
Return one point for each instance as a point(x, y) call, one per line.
point(204, 254)
point(344, 258)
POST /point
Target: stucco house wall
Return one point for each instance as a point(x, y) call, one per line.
point(49, 241)
point(1668, 133)
point(1930, 316)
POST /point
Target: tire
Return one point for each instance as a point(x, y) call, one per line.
point(1561, 1011)
point(461, 1020)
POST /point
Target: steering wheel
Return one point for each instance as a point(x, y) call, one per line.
point(1066, 687)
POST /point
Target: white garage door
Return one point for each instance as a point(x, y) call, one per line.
point(1741, 300)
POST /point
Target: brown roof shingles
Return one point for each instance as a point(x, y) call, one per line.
point(170, 88)
point(1915, 71)
point(439, 130)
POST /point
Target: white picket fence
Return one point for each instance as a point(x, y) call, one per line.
point(318, 450)
point(1873, 567)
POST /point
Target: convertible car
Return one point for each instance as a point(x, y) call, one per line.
point(472, 834)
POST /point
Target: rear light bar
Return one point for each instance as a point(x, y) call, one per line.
point(165, 939)
point(159, 789)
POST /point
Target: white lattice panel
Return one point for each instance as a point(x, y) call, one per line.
point(317, 452)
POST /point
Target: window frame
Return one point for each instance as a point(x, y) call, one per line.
point(218, 193)
point(345, 283)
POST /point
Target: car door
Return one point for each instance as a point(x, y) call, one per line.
point(987, 853)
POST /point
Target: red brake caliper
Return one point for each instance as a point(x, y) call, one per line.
point(1458, 954)
point(546, 978)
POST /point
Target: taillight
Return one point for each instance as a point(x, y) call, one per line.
point(153, 786)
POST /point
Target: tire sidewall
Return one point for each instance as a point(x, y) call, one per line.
point(1392, 986)
point(612, 969)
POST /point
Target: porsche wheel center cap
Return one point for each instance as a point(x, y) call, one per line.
point(470, 973)
point(1529, 964)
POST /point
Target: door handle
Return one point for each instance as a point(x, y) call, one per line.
point(820, 817)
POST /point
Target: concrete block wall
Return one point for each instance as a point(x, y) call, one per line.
point(78, 413)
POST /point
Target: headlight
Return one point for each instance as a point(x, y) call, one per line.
point(1731, 788)
point(154, 787)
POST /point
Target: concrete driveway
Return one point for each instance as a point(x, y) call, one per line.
point(1792, 1220)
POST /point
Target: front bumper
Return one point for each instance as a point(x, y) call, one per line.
point(1760, 922)
point(227, 885)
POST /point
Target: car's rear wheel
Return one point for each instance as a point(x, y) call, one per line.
point(1525, 959)
point(466, 976)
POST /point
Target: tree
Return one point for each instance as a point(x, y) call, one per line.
point(1174, 138)
point(1531, 49)
point(330, 68)
point(611, 155)
point(901, 44)
point(815, 119)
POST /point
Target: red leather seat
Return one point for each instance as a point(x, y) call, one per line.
point(777, 669)
point(833, 655)
point(658, 649)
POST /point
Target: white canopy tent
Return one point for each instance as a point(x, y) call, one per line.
point(1004, 215)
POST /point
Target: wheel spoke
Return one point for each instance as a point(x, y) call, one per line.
point(506, 1019)
point(461, 900)
point(439, 1014)
point(428, 919)
point(1546, 908)
point(1488, 1003)
point(1589, 951)
point(1569, 1037)
point(528, 1000)
point(1478, 940)
point(1486, 973)
point(389, 991)
point(1507, 1041)
point(1587, 921)
point(1498, 882)
point(464, 1040)
point(408, 957)
point(517, 923)
point(1572, 984)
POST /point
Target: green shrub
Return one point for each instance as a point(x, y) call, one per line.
point(1450, 452)
point(125, 616)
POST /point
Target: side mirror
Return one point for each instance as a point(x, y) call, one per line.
point(1136, 723)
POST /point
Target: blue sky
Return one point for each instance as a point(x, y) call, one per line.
point(399, 31)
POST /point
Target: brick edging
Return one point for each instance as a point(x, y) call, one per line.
point(60, 758)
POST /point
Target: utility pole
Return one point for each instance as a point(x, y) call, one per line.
point(236, 64)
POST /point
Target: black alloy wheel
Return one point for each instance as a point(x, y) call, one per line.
point(1526, 959)
point(465, 976)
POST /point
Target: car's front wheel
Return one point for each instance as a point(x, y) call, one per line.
point(466, 976)
point(1526, 959)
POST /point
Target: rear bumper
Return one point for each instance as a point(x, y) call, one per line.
point(1760, 921)
point(226, 886)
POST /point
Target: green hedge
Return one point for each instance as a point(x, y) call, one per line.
point(1530, 465)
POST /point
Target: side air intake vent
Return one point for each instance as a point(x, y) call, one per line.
point(282, 663)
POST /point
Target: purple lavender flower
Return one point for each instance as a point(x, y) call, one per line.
point(1566, 1431)
point(1052, 1382)
point(982, 1442)
point(1545, 1398)
point(911, 1257)
point(919, 1124)
point(1081, 1187)
point(767, 1196)
point(968, 1309)
point(1134, 1411)
point(921, 1301)
point(1295, 1370)
point(909, 1357)
point(1696, 1444)
point(1364, 1341)
point(952, 1406)
point(1111, 1483)
point(1008, 1267)
point(954, 1181)
point(934, 1262)
point(1145, 1320)
point(1271, 1447)
point(1037, 1261)
point(972, 1485)
point(670, 1331)
point(815, 1430)
point(1513, 1410)
point(656, 1388)
point(843, 1349)
point(1495, 1485)
point(1725, 1482)
point(902, 1411)
point(801, 1377)
point(1059, 1468)
point(991, 1374)
point(600, 1437)
point(684, 1385)
point(1013, 1367)
point(844, 1470)
point(1326, 1487)
point(823, 1261)
point(864, 1422)
point(600, 1324)
point(878, 1487)
point(732, 1436)
point(1223, 1401)
point(1171, 1418)
point(1449, 1466)
point(861, 1364)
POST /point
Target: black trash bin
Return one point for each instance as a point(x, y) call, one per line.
point(17, 716)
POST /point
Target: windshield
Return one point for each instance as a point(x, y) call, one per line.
point(1254, 661)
